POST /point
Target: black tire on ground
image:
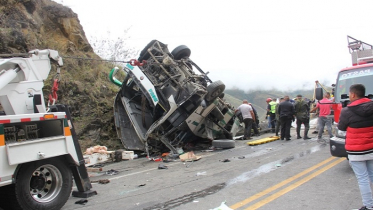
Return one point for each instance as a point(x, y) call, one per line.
point(42, 185)
point(180, 52)
point(223, 143)
point(214, 90)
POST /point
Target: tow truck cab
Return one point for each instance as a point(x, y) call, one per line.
point(360, 73)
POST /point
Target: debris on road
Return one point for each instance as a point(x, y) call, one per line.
point(111, 172)
point(141, 185)
point(201, 173)
point(96, 149)
point(156, 159)
point(278, 165)
point(189, 156)
point(241, 157)
point(222, 207)
point(91, 169)
point(99, 154)
point(82, 201)
point(162, 166)
point(225, 160)
point(95, 158)
point(207, 150)
point(101, 181)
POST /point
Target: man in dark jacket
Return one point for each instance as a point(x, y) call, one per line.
point(286, 110)
point(302, 113)
point(357, 120)
point(278, 121)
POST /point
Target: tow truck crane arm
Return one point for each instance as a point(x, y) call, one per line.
point(22, 78)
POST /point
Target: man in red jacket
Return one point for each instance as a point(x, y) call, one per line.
point(357, 120)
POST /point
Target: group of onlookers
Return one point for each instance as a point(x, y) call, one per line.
point(282, 114)
point(356, 119)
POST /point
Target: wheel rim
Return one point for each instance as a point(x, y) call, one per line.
point(45, 183)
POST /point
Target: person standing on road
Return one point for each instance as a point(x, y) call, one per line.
point(302, 113)
point(324, 107)
point(271, 108)
point(255, 122)
point(286, 110)
point(268, 116)
point(278, 121)
point(357, 120)
point(248, 118)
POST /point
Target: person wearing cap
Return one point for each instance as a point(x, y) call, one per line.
point(302, 113)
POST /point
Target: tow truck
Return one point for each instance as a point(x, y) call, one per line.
point(39, 150)
point(361, 72)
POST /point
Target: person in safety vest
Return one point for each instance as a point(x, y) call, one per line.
point(271, 108)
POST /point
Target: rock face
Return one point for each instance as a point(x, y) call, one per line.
point(43, 24)
point(30, 24)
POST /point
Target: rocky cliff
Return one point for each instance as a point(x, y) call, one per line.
point(44, 24)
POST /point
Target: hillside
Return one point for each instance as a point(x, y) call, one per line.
point(29, 24)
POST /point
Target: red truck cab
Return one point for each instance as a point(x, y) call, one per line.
point(361, 72)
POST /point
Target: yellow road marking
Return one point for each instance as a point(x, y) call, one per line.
point(264, 192)
point(293, 186)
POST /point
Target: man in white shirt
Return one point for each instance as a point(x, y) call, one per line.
point(248, 118)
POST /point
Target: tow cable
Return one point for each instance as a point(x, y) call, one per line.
point(56, 80)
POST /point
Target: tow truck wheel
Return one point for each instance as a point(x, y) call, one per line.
point(44, 184)
point(214, 90)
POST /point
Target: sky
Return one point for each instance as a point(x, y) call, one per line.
point(266, 44)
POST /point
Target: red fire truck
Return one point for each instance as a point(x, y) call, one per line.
point(361, 72)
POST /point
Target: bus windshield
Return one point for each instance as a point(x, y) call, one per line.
point(355, 76)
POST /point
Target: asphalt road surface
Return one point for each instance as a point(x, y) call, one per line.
point(282, 175)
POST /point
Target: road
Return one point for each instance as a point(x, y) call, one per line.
point(284, 175)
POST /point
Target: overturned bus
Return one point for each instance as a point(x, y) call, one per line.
point(166, 102)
